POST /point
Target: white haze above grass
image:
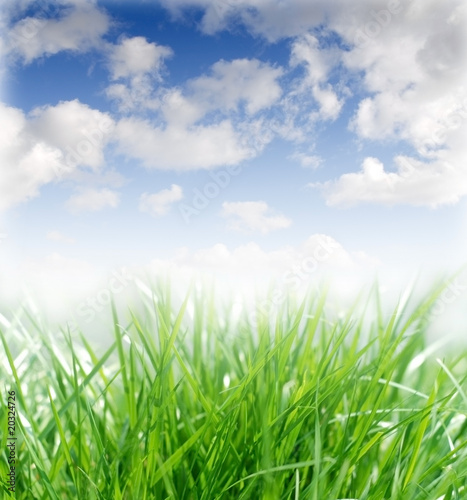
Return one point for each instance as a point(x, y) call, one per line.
point(387, 79)
point(73, 292)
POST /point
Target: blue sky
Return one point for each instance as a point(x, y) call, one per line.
point(340, 121)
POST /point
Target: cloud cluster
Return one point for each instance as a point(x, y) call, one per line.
point(402, 66)
point(415, 74)
point(27, 162)
point(410, 60)
point(135, 67)
point(413, 183)
point(49, 144)
point(318, 62)
point(211, 122)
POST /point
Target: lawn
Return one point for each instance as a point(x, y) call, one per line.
point(191, 402)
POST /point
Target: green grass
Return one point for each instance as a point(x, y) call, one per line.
point(188, 403)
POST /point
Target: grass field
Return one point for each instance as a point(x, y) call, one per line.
point(205, 406)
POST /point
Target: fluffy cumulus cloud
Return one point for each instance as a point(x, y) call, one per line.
point(136, 56)
point(56, 27)
point(93, 200)
point(49, 144)
point(158, 204)
point(135, 67)
point(135, 94)
point(412, 183)
point(78, 131)
point(182, 148)
point(239, 81)
point(253, 216)
point(318, 62)
point(414, 69)
point(27, 163)
point(212, 120)
point(179, 109)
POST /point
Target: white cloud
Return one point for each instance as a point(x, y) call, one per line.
point(135, 94)
point(318, 62)
point(92, 200)
point(55, 235)
point(414, 183)
point(136, 64)
point(55, 272)
point(241, 80)
point(78, 131)
point(229, 88)
point(329, 104)
point(179, 148)
point(50, 144)
point(3, 47)
point(133, 57)
point(159, 203)
point(254, 216)
point(181, 110)
point(78, 27)
point(27, 162)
